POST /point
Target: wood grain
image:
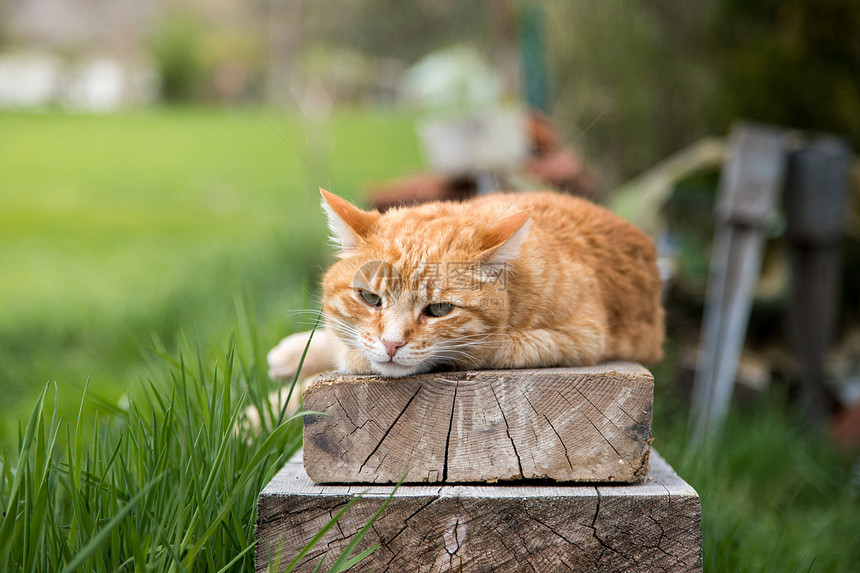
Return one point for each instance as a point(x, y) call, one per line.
point(652, 525)
point(563, 424)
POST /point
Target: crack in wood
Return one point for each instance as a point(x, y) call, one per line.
point(593, 405)
point(508, 431)
point(603, 543)
point(593, 527)
point(585, 415)
point(416, 512)
point(603, 436)
point(391, 427)
point(448, 438)
point(626, 413)
point(346, 413)
point(455, 538)
point(557, 435)
point(554, 531)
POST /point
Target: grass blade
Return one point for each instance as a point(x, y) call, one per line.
point(7, 530)
point(319, 535)
point(343, 561)
point(94, 543)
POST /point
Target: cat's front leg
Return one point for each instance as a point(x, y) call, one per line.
point(283, 362)
point(544, 347)
point(284, 358)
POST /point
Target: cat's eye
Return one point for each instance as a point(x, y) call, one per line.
point(370, 298)
point(438, 309)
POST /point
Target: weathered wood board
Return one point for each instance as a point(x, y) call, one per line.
point(564, 424)
point(654, 525)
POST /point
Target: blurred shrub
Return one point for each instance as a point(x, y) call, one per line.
point(633, 80)
point(636, 80)
point(235, 62)
point(345, 75)
point(793, 62)
point(206, 61)
point(177, 47)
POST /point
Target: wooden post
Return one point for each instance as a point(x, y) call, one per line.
point(815, 200)
point(651, 526)
point(751, 181)
point(563, 424)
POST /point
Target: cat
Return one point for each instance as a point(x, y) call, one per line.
point(499, 281)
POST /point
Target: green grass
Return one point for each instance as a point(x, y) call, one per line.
point(167, 483)
point(119, 228)
point(775, 494)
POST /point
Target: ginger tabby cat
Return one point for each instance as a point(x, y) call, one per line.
point(499, 281)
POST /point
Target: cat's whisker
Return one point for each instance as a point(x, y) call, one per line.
point(457, 362)
point(453, 352)
point(304, 310)
point(470, 344)
point(462, 341)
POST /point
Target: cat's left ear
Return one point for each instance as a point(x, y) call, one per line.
point(502, 242)
point(349, 225)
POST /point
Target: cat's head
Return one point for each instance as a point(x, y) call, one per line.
point(418, 288)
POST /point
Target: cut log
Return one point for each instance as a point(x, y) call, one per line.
point(654, 525)
point(564, 424)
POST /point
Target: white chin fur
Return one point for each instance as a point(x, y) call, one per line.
point(394, 370)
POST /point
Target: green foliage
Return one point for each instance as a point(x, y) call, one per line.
point(636, 80)
point(775, 495)
point(167, 484)
point(792, 63)
point(633, 80)
point(199, 59)
point(177, 48)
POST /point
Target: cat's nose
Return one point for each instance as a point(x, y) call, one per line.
point(392, 346)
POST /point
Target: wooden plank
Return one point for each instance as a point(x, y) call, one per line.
point(750, 183)
point(816, 192)
point(563, 424)
point(815, 204)
point(752, 177)
point(539, 527)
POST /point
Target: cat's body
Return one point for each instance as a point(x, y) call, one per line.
point(501, 281)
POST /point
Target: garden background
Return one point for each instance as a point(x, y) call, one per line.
point(176, 217)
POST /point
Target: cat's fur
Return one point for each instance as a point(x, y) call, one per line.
point(534, 280)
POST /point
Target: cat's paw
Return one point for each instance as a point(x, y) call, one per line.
point(251, 422)
point(284, 358)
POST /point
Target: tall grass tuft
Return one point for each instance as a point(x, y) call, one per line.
point(167, 483)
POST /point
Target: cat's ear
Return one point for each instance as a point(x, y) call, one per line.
point(349, 225)
point(502, 243)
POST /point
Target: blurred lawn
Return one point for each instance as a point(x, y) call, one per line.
point(121, 228)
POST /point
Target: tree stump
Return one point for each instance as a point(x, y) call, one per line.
point(538, 527)
point(564, 424)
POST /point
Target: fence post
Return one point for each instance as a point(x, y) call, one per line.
point(815, 199)
point(750, 183)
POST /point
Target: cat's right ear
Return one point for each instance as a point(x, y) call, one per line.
point(349, 225)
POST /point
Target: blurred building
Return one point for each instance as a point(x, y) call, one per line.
point(80, 54)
